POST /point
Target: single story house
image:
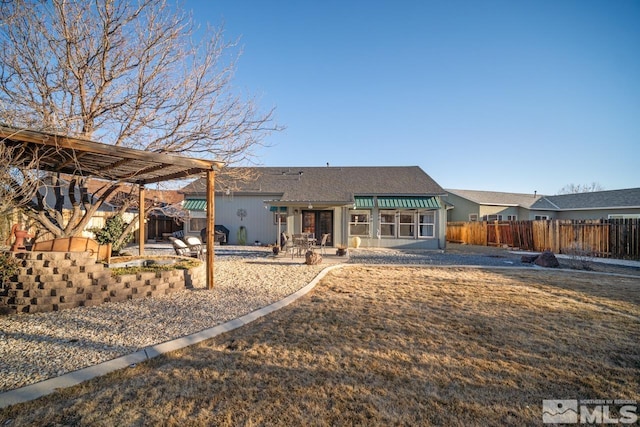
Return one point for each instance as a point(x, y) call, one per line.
point(472, 205)
point(610, 204)
point(380, 206)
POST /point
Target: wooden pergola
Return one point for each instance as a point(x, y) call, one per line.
point(68, 155)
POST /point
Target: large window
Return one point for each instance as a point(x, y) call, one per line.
point(197, 224)
point(406, 224)
point(495, 217)
point(426, 224)
point(388, 223)
point(359, 223)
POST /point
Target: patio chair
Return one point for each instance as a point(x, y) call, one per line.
point(288, 244)
point(195, 244)
point(182, 249)
point(323, 243)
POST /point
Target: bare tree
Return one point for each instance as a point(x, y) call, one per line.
point(585, 188)
point(126, 73)
point(19, 184)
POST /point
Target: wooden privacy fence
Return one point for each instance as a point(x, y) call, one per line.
point(606, 238)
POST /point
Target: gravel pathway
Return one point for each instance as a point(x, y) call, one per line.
point(34, 347)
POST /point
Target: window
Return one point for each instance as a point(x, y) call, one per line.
point(426, 224)
point(540, 217)
point(406, 224)
point(388, 223)
point(359, 223)
point(492, 218)
point(197, 224)
point(512, 217)
point(473, 217)
point(283, 218)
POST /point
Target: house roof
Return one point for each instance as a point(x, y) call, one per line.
point(496, 198)
point(326, 184)
point(626, 198)
point(163, 196)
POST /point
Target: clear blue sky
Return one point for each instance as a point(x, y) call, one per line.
point(509, 96)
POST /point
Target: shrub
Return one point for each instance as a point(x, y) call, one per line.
point(579, 258)
point(9, 266)
point(114, 228)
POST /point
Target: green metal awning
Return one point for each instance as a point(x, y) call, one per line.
point(408, 202)
point(195, 205)
point(282, 209)
point(364, 202)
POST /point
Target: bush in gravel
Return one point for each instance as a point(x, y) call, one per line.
point(579, 258)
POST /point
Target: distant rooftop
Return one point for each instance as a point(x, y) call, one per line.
point(497, 198)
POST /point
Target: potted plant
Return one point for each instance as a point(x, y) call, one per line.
point(341, 250)
point(275, 249)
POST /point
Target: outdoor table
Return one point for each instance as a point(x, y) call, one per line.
point(302, 244)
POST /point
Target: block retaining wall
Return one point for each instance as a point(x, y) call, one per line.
point(52, 281)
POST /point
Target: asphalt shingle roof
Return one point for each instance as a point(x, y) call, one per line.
point(328, 184)
point(497, 198)
point(626, 198)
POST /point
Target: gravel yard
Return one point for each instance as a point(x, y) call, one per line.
point(35, 347)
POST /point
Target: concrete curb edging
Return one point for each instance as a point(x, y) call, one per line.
point(43, 388)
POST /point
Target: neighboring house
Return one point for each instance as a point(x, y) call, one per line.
point(48, 193)
point(162, 218)
point(472, 205)
point(469, 205)
point(383, 206)
point(590, 205)
point(158, 224)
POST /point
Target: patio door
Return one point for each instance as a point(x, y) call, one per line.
point(318, 223)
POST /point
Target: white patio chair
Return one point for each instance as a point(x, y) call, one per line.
point(182, 249)
point(288, 244)
point(195, 244)
point(323, 243)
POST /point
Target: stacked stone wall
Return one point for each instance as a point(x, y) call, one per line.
point(52, 281)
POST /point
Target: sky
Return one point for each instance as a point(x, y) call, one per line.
point(512, 96)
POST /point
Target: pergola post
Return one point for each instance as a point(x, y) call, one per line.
point(141, 219)
point(211, 177)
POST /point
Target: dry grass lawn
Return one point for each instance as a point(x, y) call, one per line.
point(386, 346)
